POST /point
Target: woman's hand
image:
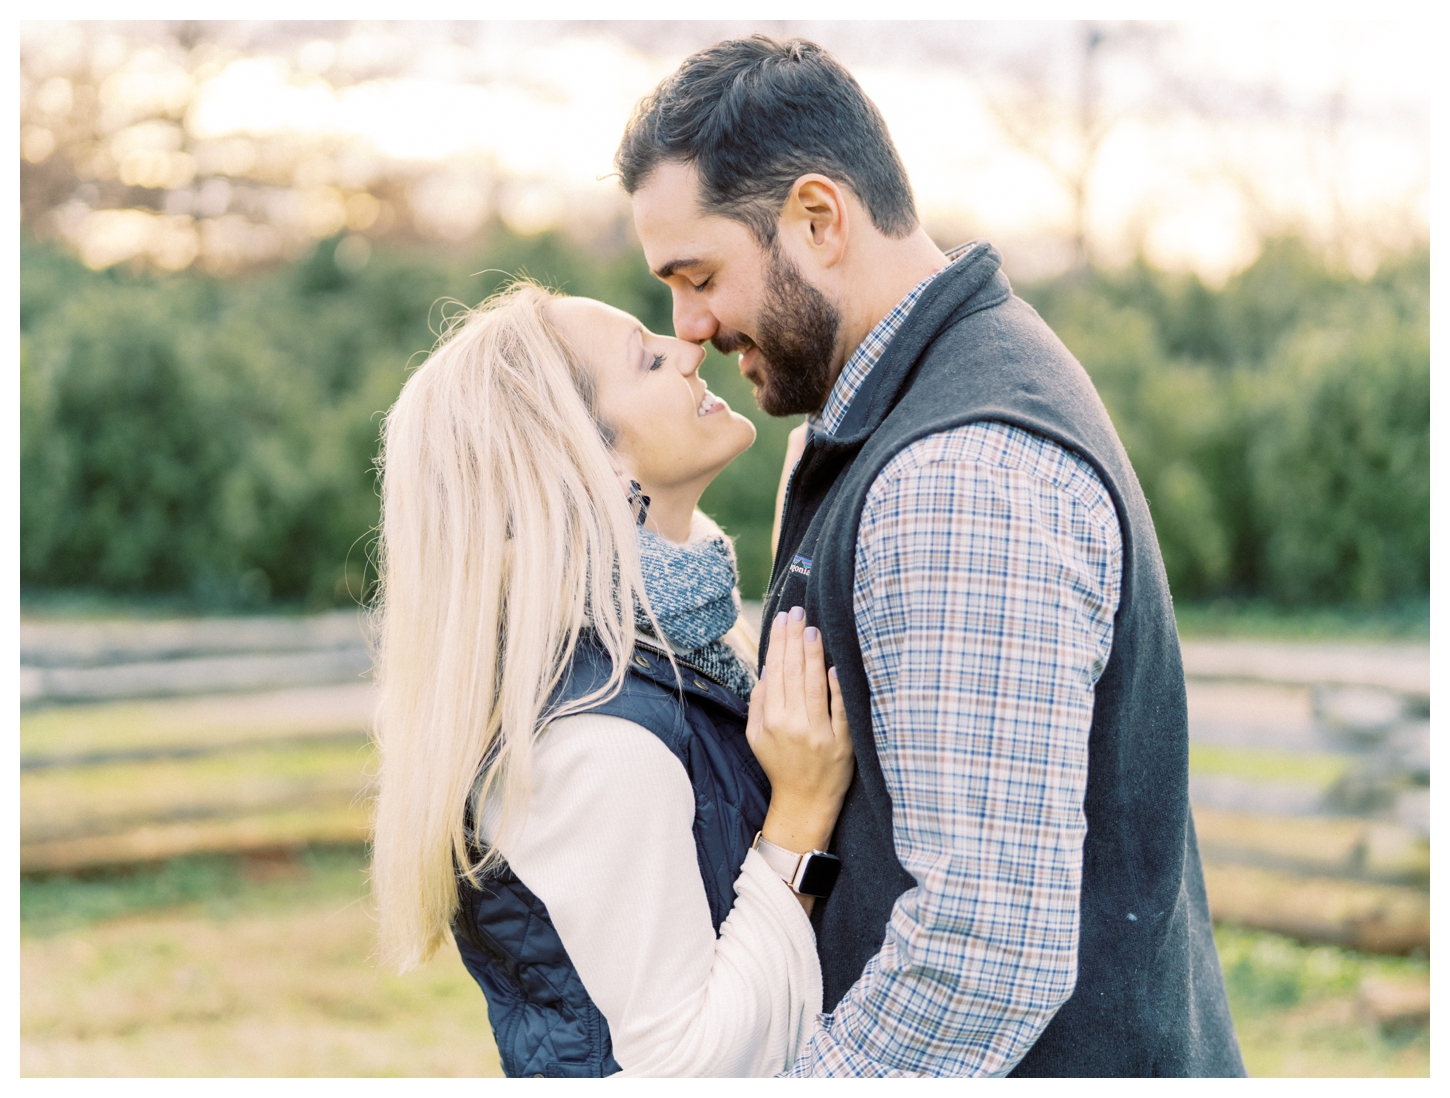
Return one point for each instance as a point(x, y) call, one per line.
point(797, 729)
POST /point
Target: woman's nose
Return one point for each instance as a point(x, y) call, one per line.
point(690, 358)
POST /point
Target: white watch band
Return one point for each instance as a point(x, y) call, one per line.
point(785, 862)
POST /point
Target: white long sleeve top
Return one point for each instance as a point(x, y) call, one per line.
point(606, 843)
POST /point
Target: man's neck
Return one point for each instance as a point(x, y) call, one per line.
point(881, 274)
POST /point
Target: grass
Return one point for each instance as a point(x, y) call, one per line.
point(218, 887)
point(215, 965)
point(1296, 1008)
point(1247, 619)
point(1310, 768)
point(218, 966)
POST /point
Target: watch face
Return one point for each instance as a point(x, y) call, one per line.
point(819, 875)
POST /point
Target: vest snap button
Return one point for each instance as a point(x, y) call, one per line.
point(538, 1075)
point(643, 663)
point(701, 685)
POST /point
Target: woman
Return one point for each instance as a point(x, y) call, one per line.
point(567, 777)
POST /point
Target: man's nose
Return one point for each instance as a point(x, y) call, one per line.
point(693, 320)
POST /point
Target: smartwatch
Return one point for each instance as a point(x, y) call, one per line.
point(811, 874)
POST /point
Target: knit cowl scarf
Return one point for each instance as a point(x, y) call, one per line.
point(691, 589)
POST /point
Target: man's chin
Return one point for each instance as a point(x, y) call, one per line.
point(773, 403)
point(775, 399)
point(761, 389)
point(761, 394)
point(766, 399)
point(750, 370)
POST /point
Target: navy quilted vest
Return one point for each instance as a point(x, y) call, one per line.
point(544, 1022)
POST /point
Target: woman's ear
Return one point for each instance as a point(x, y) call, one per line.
point(817, 216)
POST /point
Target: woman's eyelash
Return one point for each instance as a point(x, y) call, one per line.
point(657, 362)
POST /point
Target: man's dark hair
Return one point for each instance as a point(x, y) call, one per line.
point(753, 115)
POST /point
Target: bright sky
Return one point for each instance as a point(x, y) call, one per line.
point(1220, 130)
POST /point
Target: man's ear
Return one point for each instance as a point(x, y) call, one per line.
point(817, 216)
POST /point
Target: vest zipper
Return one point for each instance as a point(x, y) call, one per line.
point(678, 659)
point(784, 511)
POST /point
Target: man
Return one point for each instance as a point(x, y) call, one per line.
point(1020, 889)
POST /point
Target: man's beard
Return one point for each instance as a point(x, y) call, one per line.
point(796, 335)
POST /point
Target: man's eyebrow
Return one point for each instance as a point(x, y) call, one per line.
point(674, 265)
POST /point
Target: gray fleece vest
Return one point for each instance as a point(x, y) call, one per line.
point(1149, 998)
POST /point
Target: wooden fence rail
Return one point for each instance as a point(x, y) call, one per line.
point(1309, 772)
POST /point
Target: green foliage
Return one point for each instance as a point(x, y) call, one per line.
point(1280, 426)
point(222, 885)
point(187, 434)
point(1258, 619)
point(1340, 458)
point(213, 439)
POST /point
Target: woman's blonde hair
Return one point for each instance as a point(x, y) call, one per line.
point(504, 527)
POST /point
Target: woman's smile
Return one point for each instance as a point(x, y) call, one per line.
point(647, 387)
point(710, 404)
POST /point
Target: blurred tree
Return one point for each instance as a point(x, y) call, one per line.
point(1061, 129)
point(1340, 455)
point(216, 437)
point(1279, 426)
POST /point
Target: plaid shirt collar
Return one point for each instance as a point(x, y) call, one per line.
point(864, 357)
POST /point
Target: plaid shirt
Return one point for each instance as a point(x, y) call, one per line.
point(988, 565)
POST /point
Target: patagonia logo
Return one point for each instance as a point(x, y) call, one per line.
point(800, 565)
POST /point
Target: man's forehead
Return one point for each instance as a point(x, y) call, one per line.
point(671, 190)
point(671, 226)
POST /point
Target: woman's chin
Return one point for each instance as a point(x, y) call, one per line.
point(745, 442)
point(747, 434)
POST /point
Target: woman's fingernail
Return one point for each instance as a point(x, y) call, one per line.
point(832, 674)
point(797, 613)
point(780, 618)
point(812, 634)
point(761, 676)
